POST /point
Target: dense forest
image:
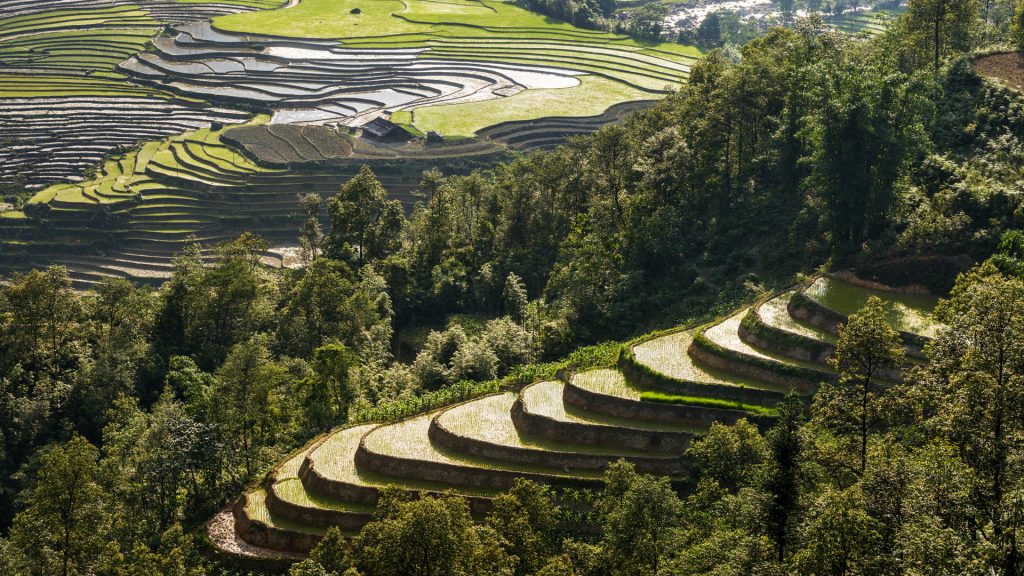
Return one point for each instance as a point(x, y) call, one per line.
point(129, 415)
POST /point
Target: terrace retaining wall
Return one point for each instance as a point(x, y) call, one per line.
point(310, 516)
point(318, 484)
point(755, 332)
point(803, 380)
point(645, 377)
point(679, 414)
point(260, 534)
point(558, 460)
point(456, 474)
point(805, 309)
point(596, 434)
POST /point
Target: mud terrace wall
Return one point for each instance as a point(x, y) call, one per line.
point(709, 354)
point(805, 309)
point(596, 435)
point(310, 516)
point(548, 458)
point(644, 377)
point(456, 474)
point(261, 534)
point(678, 414)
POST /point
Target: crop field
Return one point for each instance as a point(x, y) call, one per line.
point(726, 334)
point(408, 440)
point(201, 184)
point(489, 420)
point(64, 106)
point(667, 355)
point(608, 382)
point(545, 399)
point(871, 23)
point(905, 312)
point(133, 126)
point(773, 313)
point(411, 56)
point(401, 450)
point(256, 509)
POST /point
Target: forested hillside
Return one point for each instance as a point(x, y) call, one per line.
point(131, 415)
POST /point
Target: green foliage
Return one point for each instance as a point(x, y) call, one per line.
point(253, 391)
point(207, 309)
point(66, 525)
point(932, 30)
point(869, 126)
point(730, 455)
point(329, 392)
point(513, 298)
point(852, 408)
point(841, 536)
point(641, 514)
point(428, 537)
point(708, 402)
point(782, 477)
point(365, 224)
point(525, 519)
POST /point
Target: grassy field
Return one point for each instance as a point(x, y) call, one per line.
point(593, 96)
point(707, 403)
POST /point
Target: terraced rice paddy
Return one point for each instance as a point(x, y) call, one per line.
point(323, 61)
point(872, 23)
point(489, 420)
point(106, 105)
point(773, 313)
point(546, 399)
point(667, 355)
point(727, 335)
point(63, 104)
point(905, 312)
point(474, 447)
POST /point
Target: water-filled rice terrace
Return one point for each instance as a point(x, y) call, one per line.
point(135, 125)
point(663, 392)
point(869, 22)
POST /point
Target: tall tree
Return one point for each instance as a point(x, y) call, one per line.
point(427, 537)
point(329, 392)
point(311, 236)
point(64, 529)
point(525, 519)
point(867, 127)
point(972, 394)
point(867, 346)
point(782, 474)
point(365, 225)
point(253, 389)
point(641, 514)
point(935, 29)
